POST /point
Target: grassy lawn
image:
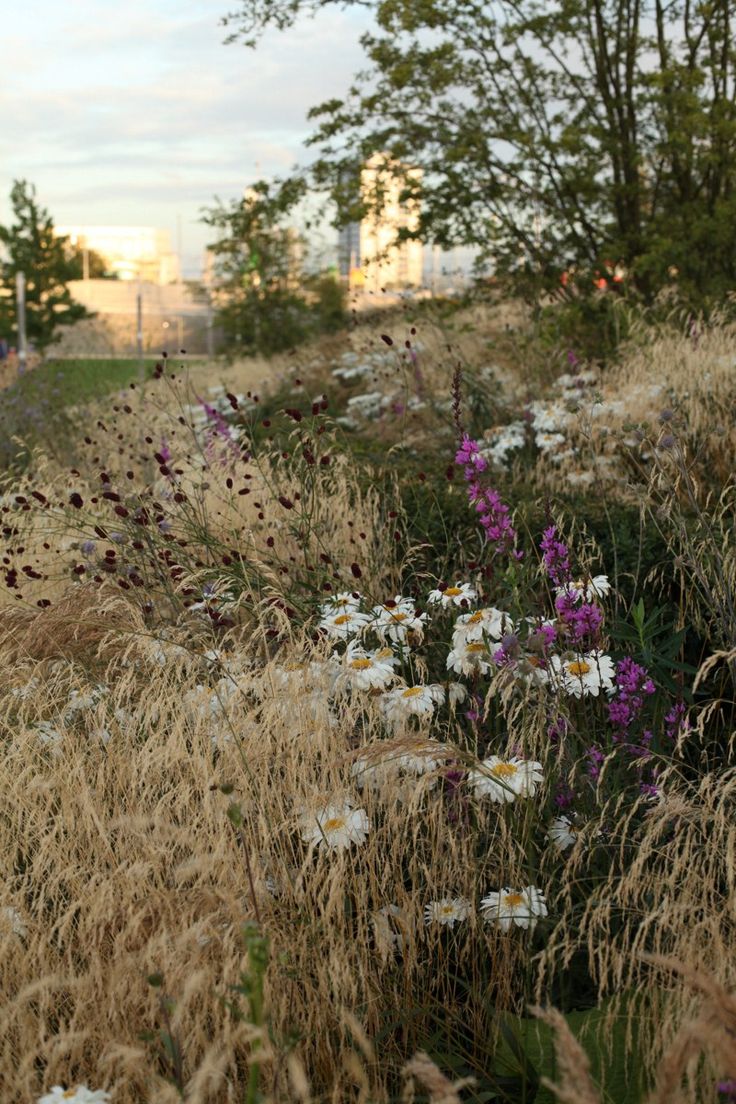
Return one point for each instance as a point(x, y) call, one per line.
point(39, 406)
point(69, 382)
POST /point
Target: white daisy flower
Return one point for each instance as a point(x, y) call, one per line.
point(397, 619)
point(22, 693)
point(469, 659)
point(504, 780)
point(344, 623)
point(340, 603)
point(521, 907)
point(530, 669)
point(362, 670)
point(453, 595)
point(210, 703)
point(423, 758)
point(456, 694)
point(410, 701)
point(381, 769)
point(562, 833)
point(583, 674)
point(336, 826)
point(162, 652)
point(79, 703)
point(48, 736)
point(483, 623)
point(80, 1095)
point(297, 677)
point(585, 590)
point(447, 911)
point(11, 918)
point(548, 442)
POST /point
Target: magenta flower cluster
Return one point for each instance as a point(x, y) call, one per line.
point(494, 513)
point(633, 687)
point(675, 721)
point(580, 621)
point(583, 620)
point(556, 556)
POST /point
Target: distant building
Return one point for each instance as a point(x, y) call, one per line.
point(369, 257)
point(130, 252)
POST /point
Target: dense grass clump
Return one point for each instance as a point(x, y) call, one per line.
point(343, 740)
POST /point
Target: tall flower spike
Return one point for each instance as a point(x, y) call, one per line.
point(494, 513)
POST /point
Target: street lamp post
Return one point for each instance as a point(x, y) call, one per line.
point(20, 300)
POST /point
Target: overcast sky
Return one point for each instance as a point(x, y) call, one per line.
point(136, 113)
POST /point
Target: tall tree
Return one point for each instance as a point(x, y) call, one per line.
point(551, 132)
point(30, 246)
point(263, 300)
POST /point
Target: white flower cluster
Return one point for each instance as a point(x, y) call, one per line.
point(521, 908)
point(80, 1095)
point(501, 441)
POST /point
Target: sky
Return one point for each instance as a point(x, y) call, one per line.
point(138, 114)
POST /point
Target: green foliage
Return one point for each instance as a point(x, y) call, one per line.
point(264, 303)
point(592, 325)
point(167, 1046)
point(95, 268)
point(550, 135)
point(31, 247)
point(527, 1043)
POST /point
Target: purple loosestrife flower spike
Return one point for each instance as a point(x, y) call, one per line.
point(556, 556)
point(633, 686)
point(494, 513)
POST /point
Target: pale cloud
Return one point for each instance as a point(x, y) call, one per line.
point(141, 114)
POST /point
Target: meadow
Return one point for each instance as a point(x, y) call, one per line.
point(367, 723)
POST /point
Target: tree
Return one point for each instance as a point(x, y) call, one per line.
point(264, 302)
point(96, 265)
point(551, 133)
point(30, 246)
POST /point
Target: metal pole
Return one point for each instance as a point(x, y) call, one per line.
point(210, 334)
point(139, 328)
point(20, 311)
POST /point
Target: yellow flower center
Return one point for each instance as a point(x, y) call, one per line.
point(333, 823)
point(341, 602)
point(343, 619)
point(476, 617)
point(579, 668)
point(447, 910)
point(412, 692)
point(453, 591)
point(513, 900)
point(504, 770)
point(475, 648)
point(361, 664)
point(69, 1094)
point(384, 653)
point(398, 616)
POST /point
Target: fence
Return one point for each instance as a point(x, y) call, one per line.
point(131, 319)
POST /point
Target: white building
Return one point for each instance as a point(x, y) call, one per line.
point(368, 254)
point(130, 252)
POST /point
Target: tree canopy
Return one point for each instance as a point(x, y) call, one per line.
point(264, 302)
point(550, 134)
point(31, 246)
